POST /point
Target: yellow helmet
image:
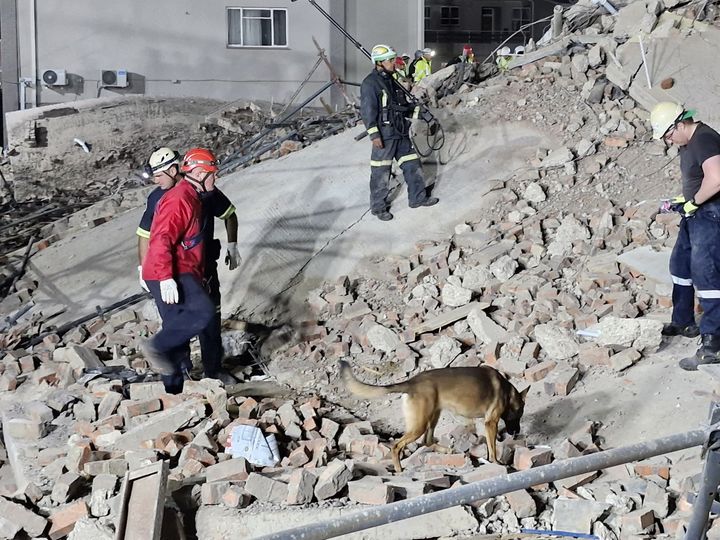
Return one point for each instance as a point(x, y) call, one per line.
point(663, 116)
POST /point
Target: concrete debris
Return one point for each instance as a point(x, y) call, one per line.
point(552, 284)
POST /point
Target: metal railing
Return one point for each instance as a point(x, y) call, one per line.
point(708, 437)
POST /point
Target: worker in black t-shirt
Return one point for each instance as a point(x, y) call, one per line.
point(165, 168)
point(695, 260)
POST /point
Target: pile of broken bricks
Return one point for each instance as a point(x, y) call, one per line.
point(68, 451)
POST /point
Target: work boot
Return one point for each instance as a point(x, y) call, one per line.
point(430, 201)
point(384, 215)
point(708, 353)
point(691, 330)
point(158, 363)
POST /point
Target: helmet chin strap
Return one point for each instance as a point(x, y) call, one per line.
point(199, 183)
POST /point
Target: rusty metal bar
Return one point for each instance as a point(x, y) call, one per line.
point(493, 487)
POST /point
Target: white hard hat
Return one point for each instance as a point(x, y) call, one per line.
point(663, 116)
point(504, 51)
point(162, 159)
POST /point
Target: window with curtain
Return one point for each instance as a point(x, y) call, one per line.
point(257, 27)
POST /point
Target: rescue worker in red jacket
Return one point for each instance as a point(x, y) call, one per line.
point(164, 167)
point(173, 268)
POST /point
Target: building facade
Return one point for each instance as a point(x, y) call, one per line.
point(57, 51)
point(483, 24)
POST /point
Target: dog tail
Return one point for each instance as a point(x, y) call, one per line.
point(367, 391)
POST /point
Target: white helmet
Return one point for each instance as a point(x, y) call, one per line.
point(505, 51)
point(161, 160)
point(663, 116)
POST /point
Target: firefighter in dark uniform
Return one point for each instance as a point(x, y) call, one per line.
point(165, 167)
point(385, 111)
point(695, 260)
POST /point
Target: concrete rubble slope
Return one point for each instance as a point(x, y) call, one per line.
point(305, 212)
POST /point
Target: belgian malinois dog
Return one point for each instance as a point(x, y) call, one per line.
point(472, 392)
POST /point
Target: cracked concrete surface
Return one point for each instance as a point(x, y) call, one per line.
point(303, 219)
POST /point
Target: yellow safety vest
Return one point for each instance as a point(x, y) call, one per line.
point(422, 70)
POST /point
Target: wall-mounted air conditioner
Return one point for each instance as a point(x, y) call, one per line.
point(54, 77)
point(117, 78)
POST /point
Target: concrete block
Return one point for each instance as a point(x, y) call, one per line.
point(234, 470)
point(16, 516)
point(109, 404)
point(624, 359)
point(168, 421)
point(81, 357)
point(66, 487)
point(370, 490)
point(301, 487)
point(522, 504)
point(147, 390)
point(266, 489)
point(130, 409)
point(332, 480)
point(212, 492)
point(576, 515)
point(539, 371)
point(63, 520)
point(21, 428)
point(561, 381)
point(235, 497)
point(527, 458)
point(116, 467)
point(637, 521)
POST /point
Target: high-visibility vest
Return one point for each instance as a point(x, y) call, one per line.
point(422, 70)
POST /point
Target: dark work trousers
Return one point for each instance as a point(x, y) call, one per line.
point(211, 347)
point(180, 323)
point(695, 262)
point(381, 160)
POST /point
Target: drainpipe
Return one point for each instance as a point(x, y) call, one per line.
point(421, 24)
point(33, 50)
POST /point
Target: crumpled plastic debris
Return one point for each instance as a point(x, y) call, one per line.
point(250, 442)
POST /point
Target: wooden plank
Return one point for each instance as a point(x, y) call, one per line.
point(449, 317)
point(143, 503)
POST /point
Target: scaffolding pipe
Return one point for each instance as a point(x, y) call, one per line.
point(493, 487)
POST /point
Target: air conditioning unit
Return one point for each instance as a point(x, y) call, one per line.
point(117, 78)
point(54, 77)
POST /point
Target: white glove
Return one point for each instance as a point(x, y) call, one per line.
point(232, 258)
point(143, 285)
point(169, 291)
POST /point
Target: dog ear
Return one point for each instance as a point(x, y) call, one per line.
point(524, 393)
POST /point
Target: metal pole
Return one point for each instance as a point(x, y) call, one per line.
point(232, 161)
point(485, 489)
point(644, 61)
point(709, 484)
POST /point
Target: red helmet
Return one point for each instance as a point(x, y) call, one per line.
point(199, 157)
point(400, 62)
point(467, 49)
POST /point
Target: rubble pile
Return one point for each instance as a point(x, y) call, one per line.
point(68, 448)
point(53, 192)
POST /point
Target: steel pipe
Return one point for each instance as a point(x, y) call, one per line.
point(493, 487)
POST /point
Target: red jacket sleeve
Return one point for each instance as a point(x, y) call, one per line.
point(171, 222)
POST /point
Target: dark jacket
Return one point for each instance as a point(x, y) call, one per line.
point(384, 107)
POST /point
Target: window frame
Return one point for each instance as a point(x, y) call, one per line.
point(272, 11)
point(520, 21)
point(446, 20)
point(492, 11)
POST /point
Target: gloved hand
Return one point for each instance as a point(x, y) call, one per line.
point(672, 205)
point(143, 285)
point(232, 258)
point(169, 291)
point(689, 208)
